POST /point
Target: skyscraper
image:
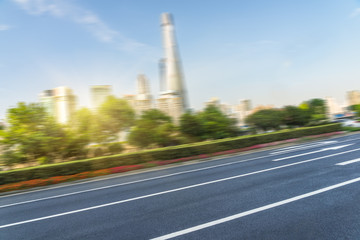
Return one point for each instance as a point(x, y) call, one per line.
point(243, 110)
point(47, 100)
point(332, 107)
point(142, 83)
point(353, 97)
point(143, 100)
point(99, 93)
point(59, 102)
point(65, 104)
point(173, 99)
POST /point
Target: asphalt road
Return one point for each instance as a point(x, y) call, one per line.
point(305, 191)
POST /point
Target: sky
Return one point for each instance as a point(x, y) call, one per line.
point(276, 52)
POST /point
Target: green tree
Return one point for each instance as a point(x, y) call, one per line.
point(31, 135)
point(215, 124)
point(82, 124)
point(356, 109)
point(190, 126)
point(113, 116)
point(82, 121)
point(153, 128)
point(317, 109)
point(80, 132)
point(266, 119)
point(74, 145)
point(294, 116)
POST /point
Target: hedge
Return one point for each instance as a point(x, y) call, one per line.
point(168, 153)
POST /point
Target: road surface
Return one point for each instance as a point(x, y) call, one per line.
point(305, 191)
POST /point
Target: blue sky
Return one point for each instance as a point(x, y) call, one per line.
point(273, 52)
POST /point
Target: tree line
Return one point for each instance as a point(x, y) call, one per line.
point(32, 135)
point(310, 112)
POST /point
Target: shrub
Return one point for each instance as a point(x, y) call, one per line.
point(98, 152)
point(351, 129)
point(115, 148)
point(43, 160)
point(175, 152)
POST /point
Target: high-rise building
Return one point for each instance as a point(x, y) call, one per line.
point(173, 99)
point(332, 108)
point(242, 111)
point(99, 93)
point(47, 100)
point(170, 105)
point(59, 102)
point(143, 99)
point(353, 97)
point(245, 105)
point(65, 104)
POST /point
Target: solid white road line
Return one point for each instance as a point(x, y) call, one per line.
point(256, 210)
point(308, 153)
point(348, 162)
point(169, 191)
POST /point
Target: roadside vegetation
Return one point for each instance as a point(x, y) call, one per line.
point(35, 146)
point(152, 156)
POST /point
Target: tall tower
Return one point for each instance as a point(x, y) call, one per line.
point(173, 100)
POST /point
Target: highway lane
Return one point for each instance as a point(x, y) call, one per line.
point(200, 194)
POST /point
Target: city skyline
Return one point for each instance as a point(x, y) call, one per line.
point(270, 53)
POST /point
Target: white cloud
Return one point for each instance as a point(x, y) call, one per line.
point(38, 7)
point(89, 20)
point(4, 27)
point(355, 13)
point(96, 26)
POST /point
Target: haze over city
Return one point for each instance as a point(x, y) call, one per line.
point(276, 52)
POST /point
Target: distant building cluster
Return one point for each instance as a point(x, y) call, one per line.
point(239, 111)
point(336, 110)
point(61, 103)
point(143, 100)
